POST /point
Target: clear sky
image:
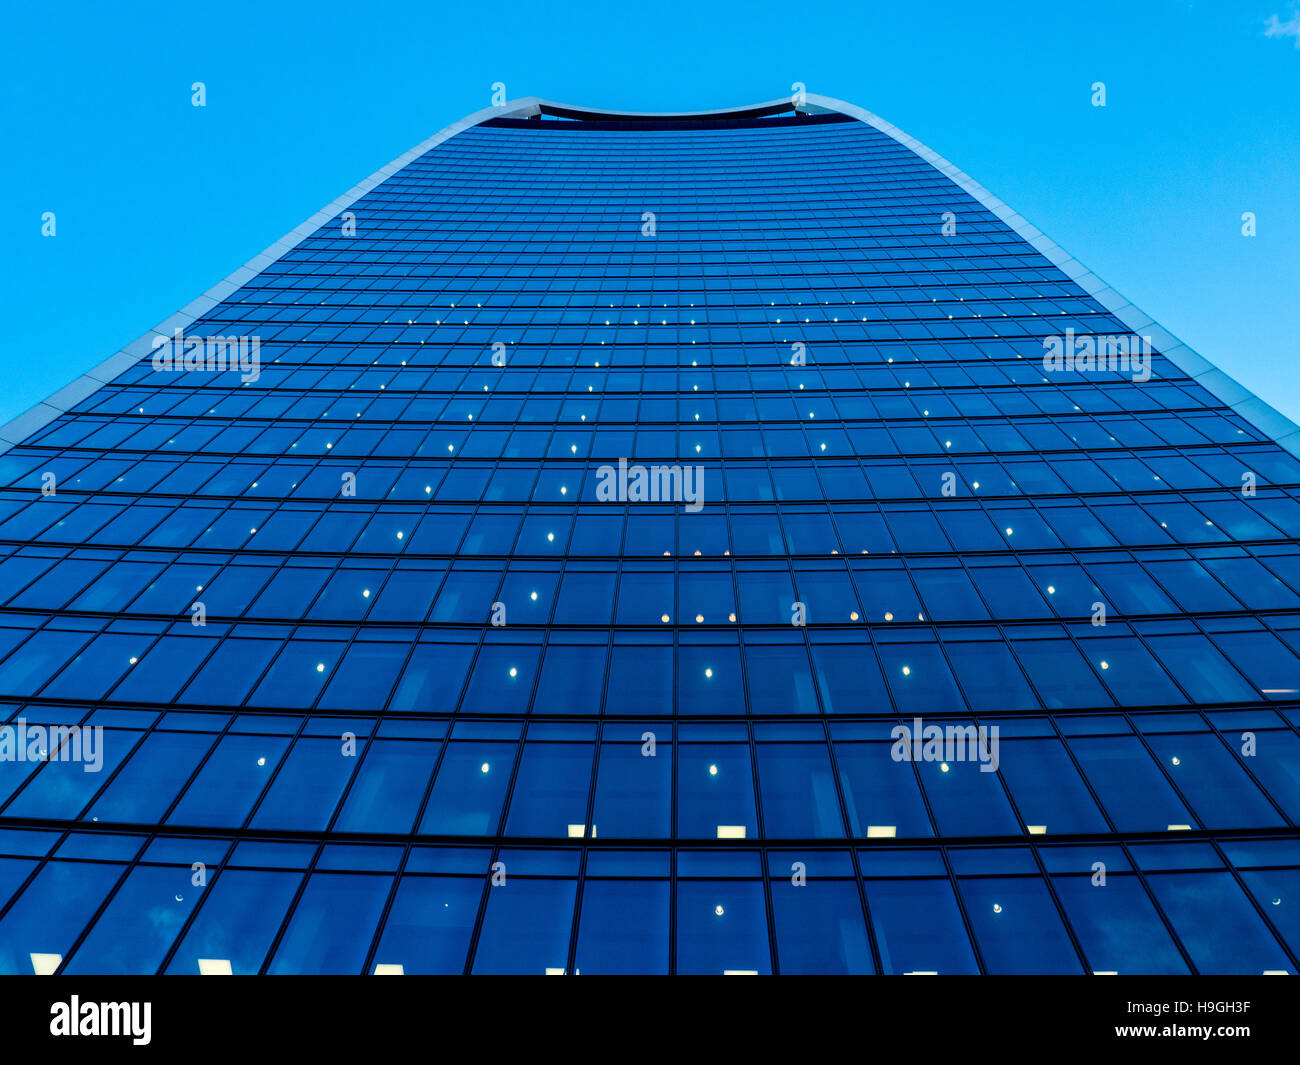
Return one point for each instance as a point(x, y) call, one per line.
point(155, 200)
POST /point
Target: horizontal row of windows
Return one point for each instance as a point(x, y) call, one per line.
point(747, 284)
point(639, 529)
point(445, 913)
point(618, 227)
point(688, 592)
point(1237, 506)
point(761, 259)
point(485, 174)
point(422, 397)
point(341, 376)
point(597, 336)
point(626, 437)
point(972, 783)
point(1232, 723)
point(725, 305)
point(719, 326)
point(618, 239)
point(602, 342)
point(721, 296)
point(977, 417)
point(850, 273)
point(344, 376)
point(709, 672)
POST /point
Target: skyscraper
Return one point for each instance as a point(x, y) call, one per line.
point(722, 542)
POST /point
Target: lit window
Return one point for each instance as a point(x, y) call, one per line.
point(45, 964)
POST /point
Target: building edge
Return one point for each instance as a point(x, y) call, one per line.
point(19, 428)
point(1273, 423)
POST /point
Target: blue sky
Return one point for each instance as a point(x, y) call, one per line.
point(156, 200)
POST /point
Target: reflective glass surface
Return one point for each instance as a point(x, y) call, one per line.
point(390, 656)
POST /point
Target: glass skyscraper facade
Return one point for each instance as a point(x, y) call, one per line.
point(689, 544)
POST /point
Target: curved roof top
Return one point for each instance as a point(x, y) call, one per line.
point(1219, 384)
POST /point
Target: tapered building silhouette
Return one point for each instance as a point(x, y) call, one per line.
point(700, 543)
